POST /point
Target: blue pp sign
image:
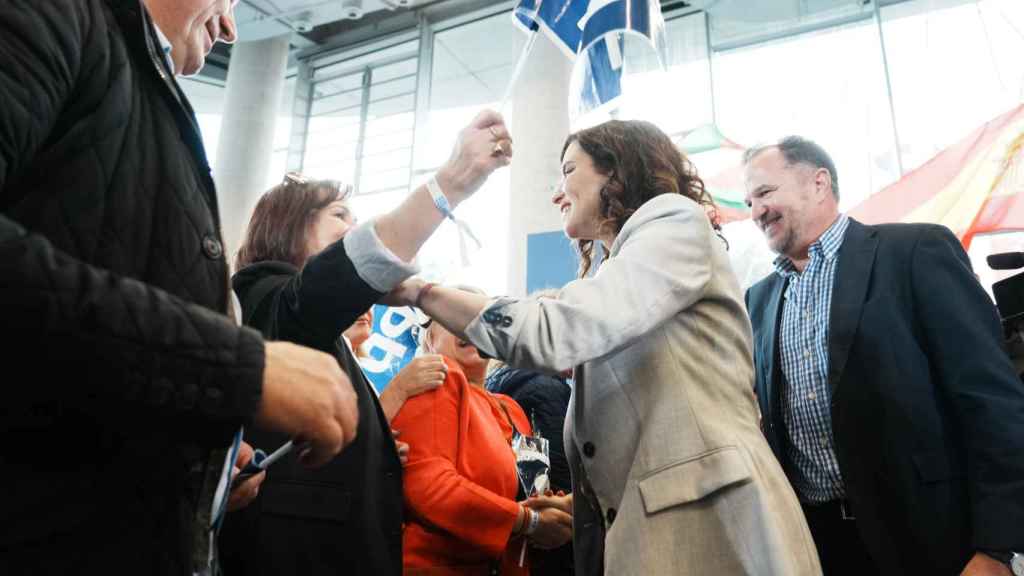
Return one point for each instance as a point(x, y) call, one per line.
point(391, 346)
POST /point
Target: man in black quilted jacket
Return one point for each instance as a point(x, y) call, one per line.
point(124, 381)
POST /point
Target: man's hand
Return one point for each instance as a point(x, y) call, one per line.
point(558, 501)
point(243, 494)
point(555, 527)
point(401, 447)
point(307, 396)
point(553, 530)
point(984, 565)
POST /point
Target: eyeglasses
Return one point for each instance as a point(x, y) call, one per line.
point(294, 178)
point(420, 330)
point(341, 191)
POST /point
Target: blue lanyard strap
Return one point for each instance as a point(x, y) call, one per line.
point(224, 489)
point(445, 208)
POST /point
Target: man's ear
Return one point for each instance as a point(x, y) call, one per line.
point(822, 183)
point(428, 340)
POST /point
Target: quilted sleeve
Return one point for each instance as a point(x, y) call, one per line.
point(128, 345)
point(41, 52)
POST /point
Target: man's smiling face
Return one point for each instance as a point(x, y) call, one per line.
point(193, 27)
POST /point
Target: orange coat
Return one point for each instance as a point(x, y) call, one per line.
point(460, 482)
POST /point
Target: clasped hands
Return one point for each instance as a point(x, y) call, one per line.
point(554, 527)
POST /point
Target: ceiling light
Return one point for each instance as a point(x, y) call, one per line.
point(352, 9)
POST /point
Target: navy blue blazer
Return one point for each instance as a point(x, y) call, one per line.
point(927, 410)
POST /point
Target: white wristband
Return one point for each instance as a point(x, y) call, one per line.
point(440, 200)
point(534, 521)
point(445, 208)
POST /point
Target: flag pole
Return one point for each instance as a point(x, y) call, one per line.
point(888, 88)
point(523, 55)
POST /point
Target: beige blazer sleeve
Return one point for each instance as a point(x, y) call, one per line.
point(660, 263)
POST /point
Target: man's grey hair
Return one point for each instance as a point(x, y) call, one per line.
point(799, 150)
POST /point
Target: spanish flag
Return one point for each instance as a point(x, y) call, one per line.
point(973, 187)
point(719, 162)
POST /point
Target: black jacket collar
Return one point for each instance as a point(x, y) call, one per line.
point(856, 259)
point(144, 47)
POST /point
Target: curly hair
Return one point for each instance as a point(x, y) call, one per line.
point(281, 223)
point(641, 162)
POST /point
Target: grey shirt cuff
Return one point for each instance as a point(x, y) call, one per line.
point(375, 263)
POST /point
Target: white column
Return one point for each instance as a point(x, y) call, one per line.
point(252, 100)
point(540, 123)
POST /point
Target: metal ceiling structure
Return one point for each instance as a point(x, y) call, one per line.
point(317, 26)
point(313, 25)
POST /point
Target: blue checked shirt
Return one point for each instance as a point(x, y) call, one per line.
point(804, 351)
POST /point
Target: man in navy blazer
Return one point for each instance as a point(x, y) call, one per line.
point(883, 385)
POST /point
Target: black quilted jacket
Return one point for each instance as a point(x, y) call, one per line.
point(120, 374)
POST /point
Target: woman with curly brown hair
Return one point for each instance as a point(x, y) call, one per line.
point(671, 473)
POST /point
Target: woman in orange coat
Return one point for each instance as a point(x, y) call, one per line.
point(462, 490)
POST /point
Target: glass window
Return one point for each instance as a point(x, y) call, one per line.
point(334, 103)
point(737, 23)
point(472, 66)
point(471, 69)
point(282, 136)
point(399, 70)
point(953, 66)
point(828, 86)
point(342, 63)
point(362, 119)
point(398, 88)
point(679, 98)
point(367, 206)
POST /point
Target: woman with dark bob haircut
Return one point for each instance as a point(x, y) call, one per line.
point(306, 272)
point(671, 473)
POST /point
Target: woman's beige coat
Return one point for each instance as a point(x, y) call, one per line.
point(668, 459)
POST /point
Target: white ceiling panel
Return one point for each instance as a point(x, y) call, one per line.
point(259, 19)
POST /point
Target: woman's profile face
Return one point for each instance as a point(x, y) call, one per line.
point(331, 224)
point(579, 195)
point(447, 344)
point(361, 329)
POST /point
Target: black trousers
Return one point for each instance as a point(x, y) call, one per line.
point(840, 548)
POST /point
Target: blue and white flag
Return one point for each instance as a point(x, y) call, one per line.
point(602, 74)
point(560, 20)
point(593, 30)
point(598, 73)
point(603, 17)
point(391, 345)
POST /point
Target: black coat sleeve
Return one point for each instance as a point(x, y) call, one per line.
point(964, 344)
point(316, 305)
point(134, 344)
